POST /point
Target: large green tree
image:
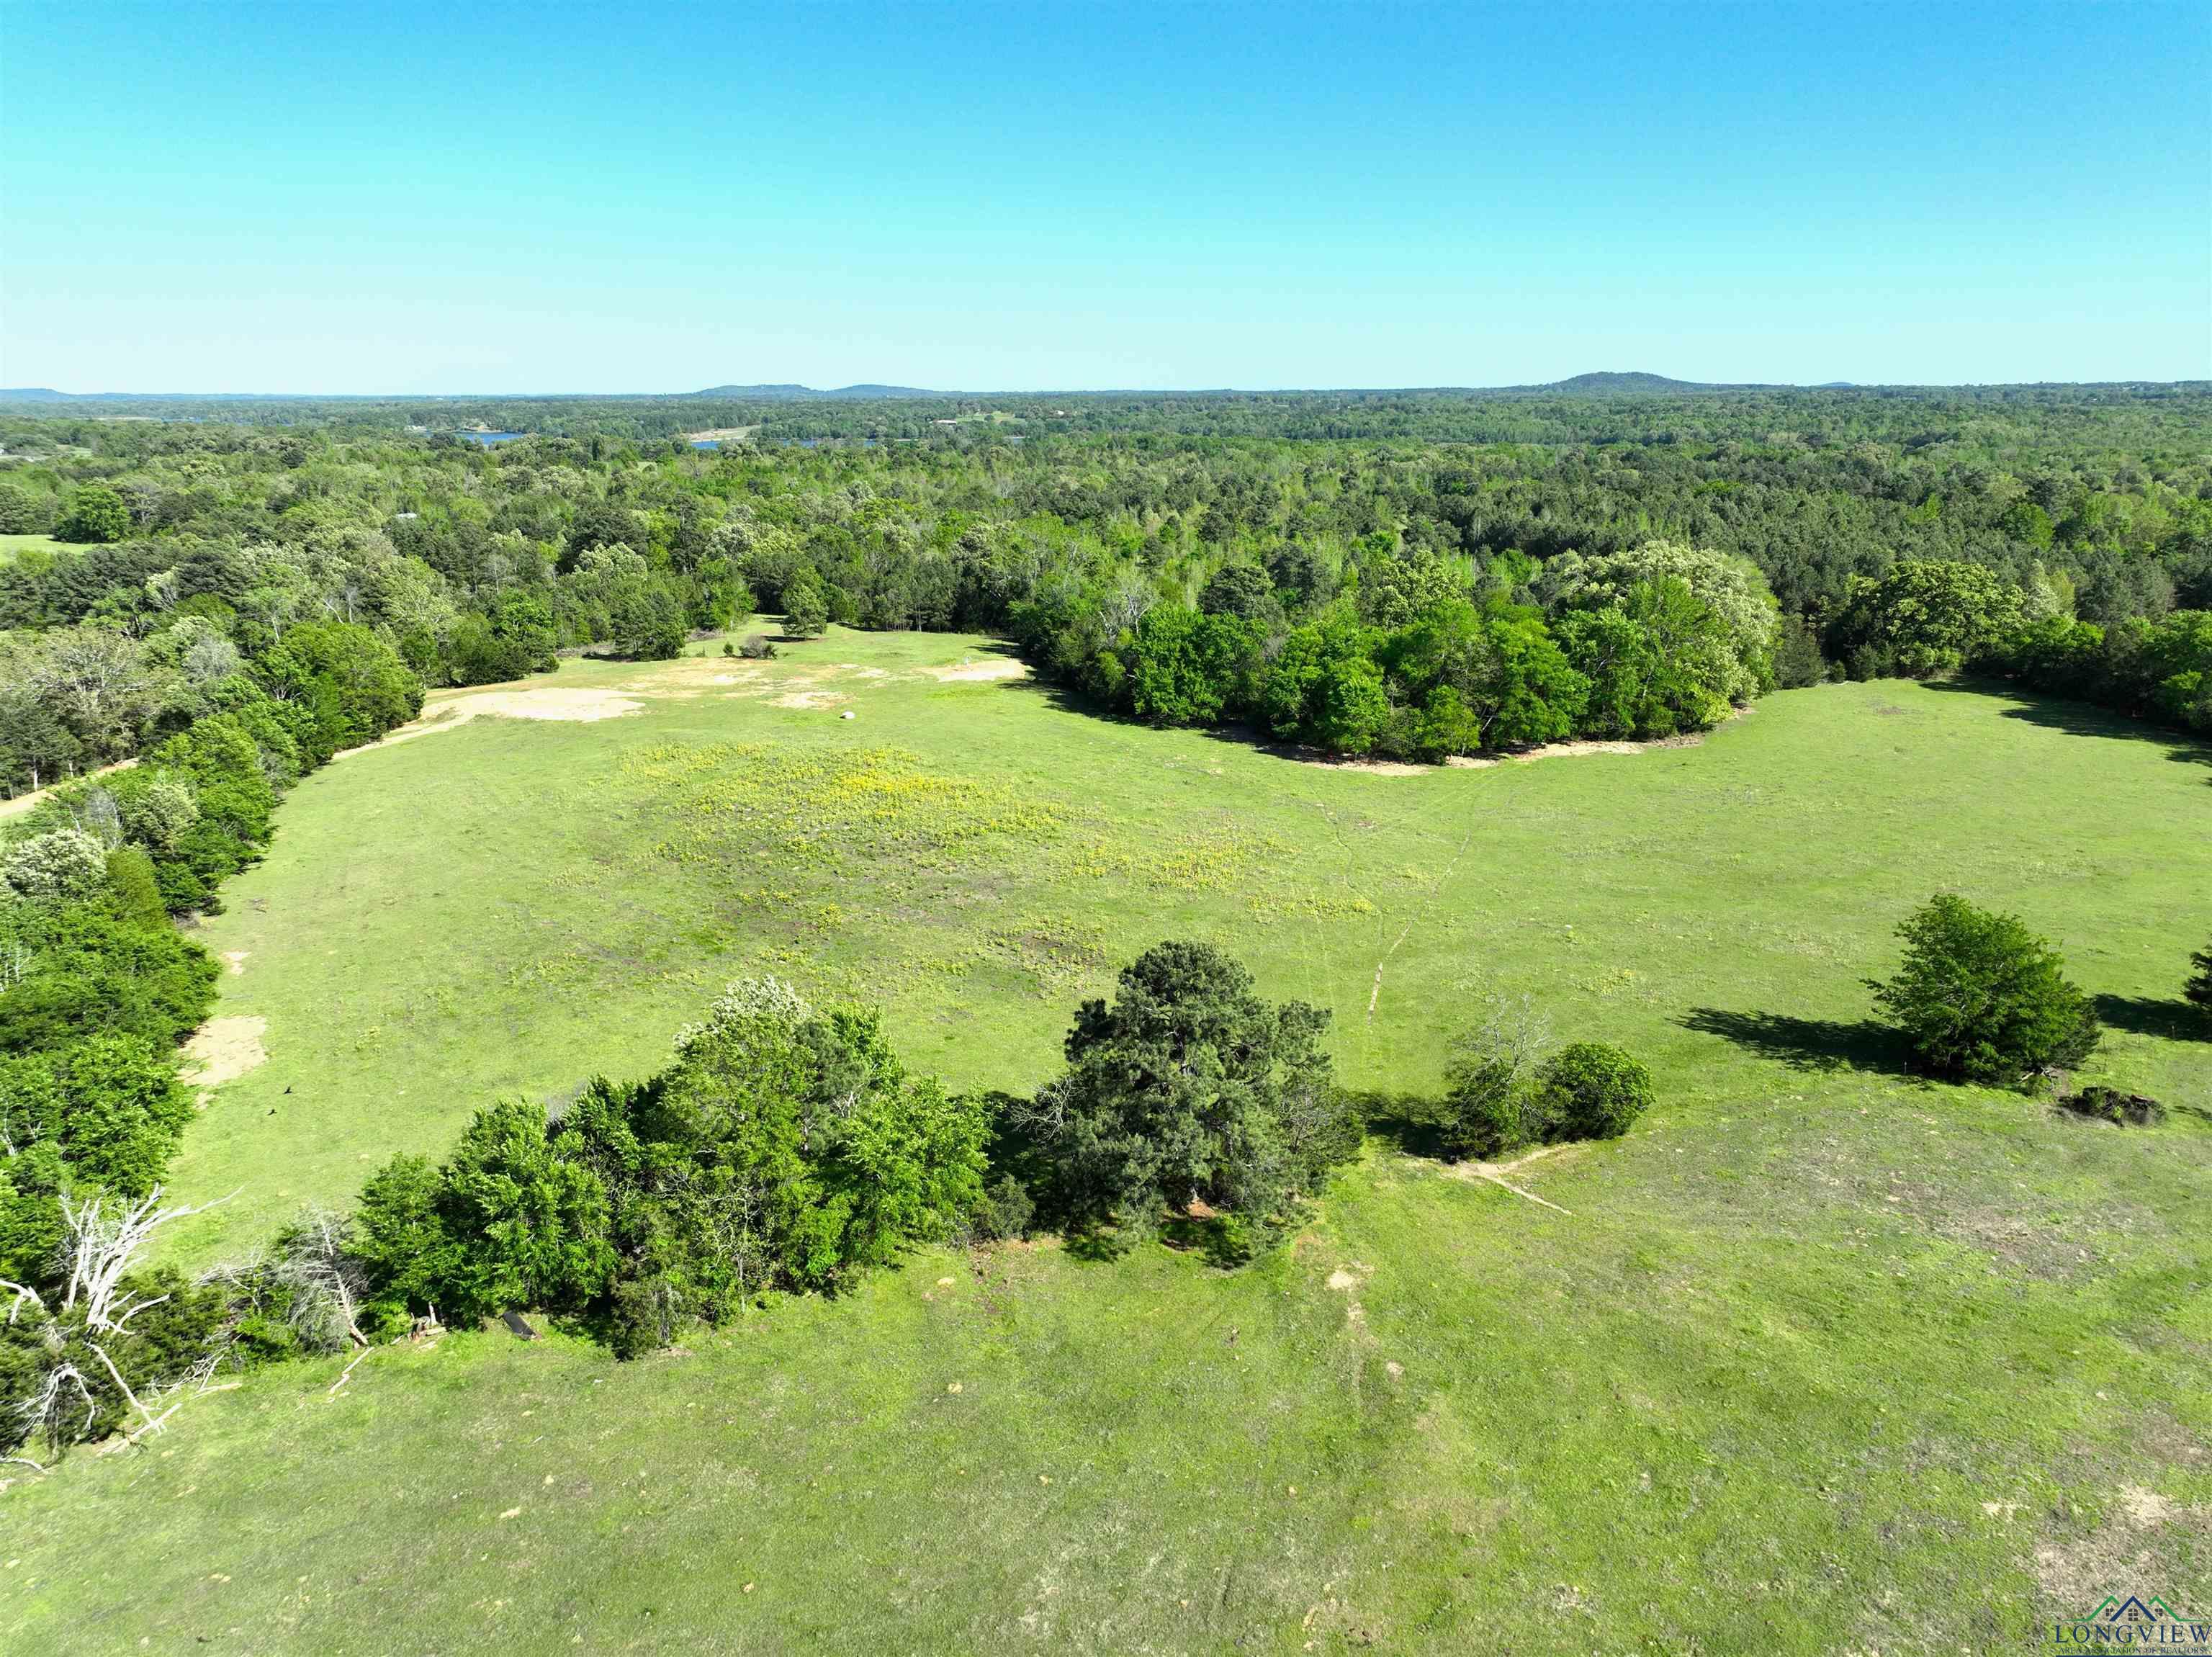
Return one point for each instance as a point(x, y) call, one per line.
point(1188, 1088)
point(96, 514)
point(1924, 618)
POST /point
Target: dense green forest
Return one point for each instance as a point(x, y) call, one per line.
point(233, 602)
point(1412, 574)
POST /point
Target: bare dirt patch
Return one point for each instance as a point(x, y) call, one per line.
point(1476, 762)
point(1494, 1173)
point(545, 701)
point(809, 699)
point(1371, 767)
point(1568, 751)
point(1347, 1280)
point(234, 959)
point(550, 703)
point(972, 672)
point(700, 675)
point(223, 1049)
point(2143, 1537)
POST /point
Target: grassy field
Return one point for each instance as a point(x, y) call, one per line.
point(1819, 1358)
point(12, 545)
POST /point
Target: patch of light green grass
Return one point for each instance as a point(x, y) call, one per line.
point(12, 545)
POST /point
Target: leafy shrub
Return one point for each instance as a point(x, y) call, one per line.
point(156, 811)
point(1981, 998)
point(22, 512)
point(1592, 1091)
point(2198, 989)
point(1491, 1104)
point(354, 684)
point(1506, 1089)
point(1923, 616)
point(758, 647)
point(55, 867)
point(783, 1148)
point(1004, 1210)
point(1489, 1109)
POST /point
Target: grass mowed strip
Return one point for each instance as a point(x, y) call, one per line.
point(1819, 1358)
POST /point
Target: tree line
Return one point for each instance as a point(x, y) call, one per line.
point(1416, 598)
point(99, 987)
point(784, 1148)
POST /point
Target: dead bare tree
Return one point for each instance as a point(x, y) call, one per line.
point(327, 1283)
point(100, 1243)
point(101, 1246)
point(1515, 1033)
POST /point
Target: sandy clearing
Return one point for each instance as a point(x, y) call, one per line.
point(698, 674)
point(2073, 1573)
point(1371, 767)
point(1560, 751)
point(808, 699)
point(2146, 1509)
point(973, 673)
point(550, 703)
point(547, 702)
point(235, 960)
point(223, 1049)
point(1483, 762)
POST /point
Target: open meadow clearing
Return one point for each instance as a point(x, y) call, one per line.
point(1819, 1358)
point(12, 546)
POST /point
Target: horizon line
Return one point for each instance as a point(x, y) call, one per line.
point(793, 391)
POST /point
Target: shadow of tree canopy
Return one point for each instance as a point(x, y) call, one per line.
point(1408, 1121)
point(2056, 713)
point(2175, 1019)
point(1804, 1043)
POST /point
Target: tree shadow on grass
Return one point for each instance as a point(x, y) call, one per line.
point(2055, 713)
point(2175, 1019)
point(1804, 1043)
point(1408, 1121)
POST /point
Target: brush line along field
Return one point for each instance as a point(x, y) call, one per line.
point(1819, 1358)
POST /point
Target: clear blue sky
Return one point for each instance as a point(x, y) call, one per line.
point(301, 198)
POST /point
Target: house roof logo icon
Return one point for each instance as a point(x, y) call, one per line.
point(2133, 1610)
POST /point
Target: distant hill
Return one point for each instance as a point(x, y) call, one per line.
point(792, 394)
point(1627, 383)
point(32, 394)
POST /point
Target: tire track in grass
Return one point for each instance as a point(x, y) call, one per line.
point(1375, 994)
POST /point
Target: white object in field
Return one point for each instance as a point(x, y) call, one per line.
point(848, 713)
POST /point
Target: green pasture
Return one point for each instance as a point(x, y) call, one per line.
point(11, 546)
point(1818, 1359)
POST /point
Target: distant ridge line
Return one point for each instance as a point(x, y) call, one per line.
point(1602, 383)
